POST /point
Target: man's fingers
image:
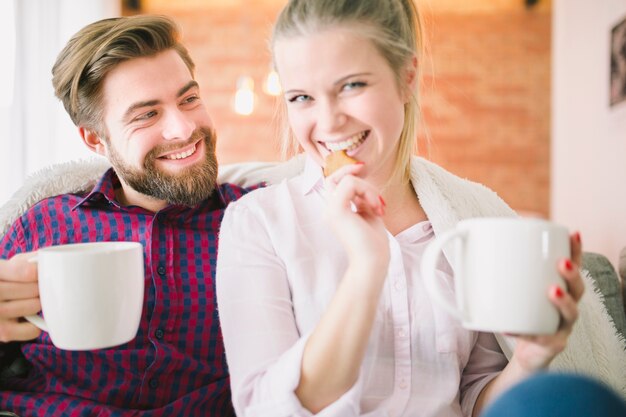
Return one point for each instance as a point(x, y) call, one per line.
point(19, 308)
point(18, 291)
point(18, 331)
point(19, 269)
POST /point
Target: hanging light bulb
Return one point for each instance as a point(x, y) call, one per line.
point(272, 84)
point(244, 96)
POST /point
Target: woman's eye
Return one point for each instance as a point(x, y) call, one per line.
point(354, 84)
point(299, 98)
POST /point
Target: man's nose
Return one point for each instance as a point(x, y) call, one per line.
point(178, 125)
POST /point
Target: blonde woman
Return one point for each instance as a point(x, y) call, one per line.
point(319, 291)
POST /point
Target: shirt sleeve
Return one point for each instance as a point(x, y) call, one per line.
point(263, 344)
point(13, 241)
point(485, 363)
point(10, 244)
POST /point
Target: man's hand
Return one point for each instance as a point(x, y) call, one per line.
point(19, 297)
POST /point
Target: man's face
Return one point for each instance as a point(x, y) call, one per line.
point(160, 138)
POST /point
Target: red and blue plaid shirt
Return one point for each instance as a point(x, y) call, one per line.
point(176, 364)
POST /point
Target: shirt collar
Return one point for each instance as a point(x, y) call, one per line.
point(103, 190)
point(312, 176)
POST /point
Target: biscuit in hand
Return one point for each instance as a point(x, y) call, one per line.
point(336, 160)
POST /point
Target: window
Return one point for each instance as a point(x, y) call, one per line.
point(7, 69)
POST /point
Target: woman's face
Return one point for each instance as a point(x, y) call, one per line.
point(341, 94)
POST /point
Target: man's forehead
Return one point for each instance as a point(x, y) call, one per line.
point(160, 77)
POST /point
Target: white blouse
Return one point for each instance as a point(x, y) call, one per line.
point(278, 268)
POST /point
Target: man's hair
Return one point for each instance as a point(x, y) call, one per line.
point(81, 67)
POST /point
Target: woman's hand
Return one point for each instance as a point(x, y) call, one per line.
point(354, 211)
point(533, 353)
point(19, 297)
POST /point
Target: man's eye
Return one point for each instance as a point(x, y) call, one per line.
point(299, 98)
point(147, 115)
point(191, 99)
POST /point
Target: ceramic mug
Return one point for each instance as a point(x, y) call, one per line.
point(503, 269)
point(91, 293)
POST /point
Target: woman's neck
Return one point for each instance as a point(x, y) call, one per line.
point(403, 208)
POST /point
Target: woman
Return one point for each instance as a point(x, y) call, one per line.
point(320, 296)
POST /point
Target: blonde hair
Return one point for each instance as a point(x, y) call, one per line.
point(81, 67)
point(395, 29)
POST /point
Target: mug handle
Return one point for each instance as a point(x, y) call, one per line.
point(429, 265)
point(35, 319)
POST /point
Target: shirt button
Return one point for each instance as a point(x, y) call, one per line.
point(159, 333)
point(161, 270)
point(403, 384)
point(401, 333)
point(153, 383)
point(397, 285)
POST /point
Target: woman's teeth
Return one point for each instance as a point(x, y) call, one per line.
point(349, 144)
point(181, 155)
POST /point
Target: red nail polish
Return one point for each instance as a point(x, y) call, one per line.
point(558, 292)
point(359, 163)
point(382, 201)
point(568, 264)
point(577, 236)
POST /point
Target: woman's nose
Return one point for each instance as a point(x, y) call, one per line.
point(330, 116)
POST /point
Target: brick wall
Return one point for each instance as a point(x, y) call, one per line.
point(485, 93)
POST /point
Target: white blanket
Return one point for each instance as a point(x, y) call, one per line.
point(595, 348)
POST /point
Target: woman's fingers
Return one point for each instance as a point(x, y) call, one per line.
point(353, 193)
point(567, 306)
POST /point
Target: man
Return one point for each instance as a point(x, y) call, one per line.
point(128, 85)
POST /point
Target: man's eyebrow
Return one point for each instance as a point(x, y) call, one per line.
point(191, 84)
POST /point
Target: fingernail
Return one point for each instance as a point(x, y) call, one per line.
point(577, 236)
point(382, 201)
point(557, 291)
point(568, 264)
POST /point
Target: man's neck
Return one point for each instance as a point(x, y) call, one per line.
point(127, 196)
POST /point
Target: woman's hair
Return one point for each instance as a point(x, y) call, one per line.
point(393, 26)
point(81, 67)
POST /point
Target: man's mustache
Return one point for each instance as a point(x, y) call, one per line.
point(202, 133)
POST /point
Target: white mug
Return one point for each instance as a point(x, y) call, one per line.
point(503, 269)
point(91, 293)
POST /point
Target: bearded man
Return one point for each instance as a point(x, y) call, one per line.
point(128, 85)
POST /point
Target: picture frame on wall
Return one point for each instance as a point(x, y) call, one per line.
point(618, 63)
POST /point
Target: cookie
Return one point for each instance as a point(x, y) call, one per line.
point(336, 160)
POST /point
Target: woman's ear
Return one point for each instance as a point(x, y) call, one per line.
point(93, 140)
point(410, 74)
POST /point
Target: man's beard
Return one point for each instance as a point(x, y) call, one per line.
point(189, 187)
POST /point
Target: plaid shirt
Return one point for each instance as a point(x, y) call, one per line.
point(176, 364)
